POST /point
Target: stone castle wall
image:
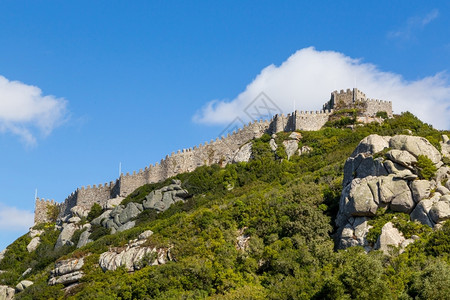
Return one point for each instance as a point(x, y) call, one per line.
point(41, 209)
point(303, 120)
point(373, 106)
point(350, 97)
point(221, 151)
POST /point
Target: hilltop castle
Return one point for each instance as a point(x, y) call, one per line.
point(221, 151)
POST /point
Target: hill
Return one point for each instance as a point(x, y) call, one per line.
point(262, 229)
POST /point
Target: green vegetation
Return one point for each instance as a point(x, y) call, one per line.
point(286, 207)
point(426, 168)
point(382, 114)
point(96, 211)
point(52, 213)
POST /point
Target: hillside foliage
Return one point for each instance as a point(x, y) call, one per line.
point(286, 207)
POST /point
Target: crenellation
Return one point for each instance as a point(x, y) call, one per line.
point(221, 150)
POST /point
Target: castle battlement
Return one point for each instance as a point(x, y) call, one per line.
point(219, 151)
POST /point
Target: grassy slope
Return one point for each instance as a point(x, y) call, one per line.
point(286, 207)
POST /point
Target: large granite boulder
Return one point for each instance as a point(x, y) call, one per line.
point(440, 211)
point(6, 292)
point(421, 212)
point(34, 243)
point(402, 157)
point(445, 146)
point(372, 144)
point(80, 212)
point(354, 233)
point(243, 154)
point(161, 199)
point(363, 165)
point(2, 254)
point(24, 284)
point(134, 255)
point(104, 216)
point(396, 192)
point(291, 147)
point(67, 272)
point(421, 189)
point(416, 146)
point(391, 238)
point(65, 237)
point(84, 239)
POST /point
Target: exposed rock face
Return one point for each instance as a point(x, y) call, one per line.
point(372, 144)
point(34, 243)
point(304, 150)
point(390, 238)
point(2, 254)
point(80, 212)
point(134, 256)
point(440, 211)
point(84, 239)
point(401, 157)
point(66, 234)
point(291, 147)
point(390, 182)
point(242, 240)
point(112, 203)
point(445, 145)
point(416, 146)
point(162, 199)
point(355, 233)
point(67, 272)
point(421, 189)
point(273, 145)
point(244, 153)
point(24, 284)
point(421, 212)
point(6, 292)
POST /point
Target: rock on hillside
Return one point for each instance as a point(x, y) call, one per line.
point(6, 292)
point(374, 180)
point(134, 255)
point(67, 272)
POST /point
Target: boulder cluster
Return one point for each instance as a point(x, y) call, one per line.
point(115, 217)
point(383, 173)
point(134, 255)
point(290, 145)
point(67, 272)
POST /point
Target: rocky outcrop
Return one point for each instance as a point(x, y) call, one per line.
point(244, 153)
point(389, 180)
point(6, 292)
point(445, 145)
point(134, 255)
point(291, 147)
point(84, 238)
point(34, 243)
point(162, 199)
point(391, 238)
point(416, 146)
point(65, 237)
point(67, 272)
point(79, 212)
point(242, 240)
point(354, 233)
point(24, 284)
point(2, 254)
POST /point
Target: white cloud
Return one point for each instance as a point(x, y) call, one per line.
point(24, 111)
point(307, 78)
point(13, 219)
point(412, 25)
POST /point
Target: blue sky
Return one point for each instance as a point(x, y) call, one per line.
point(85, 85)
